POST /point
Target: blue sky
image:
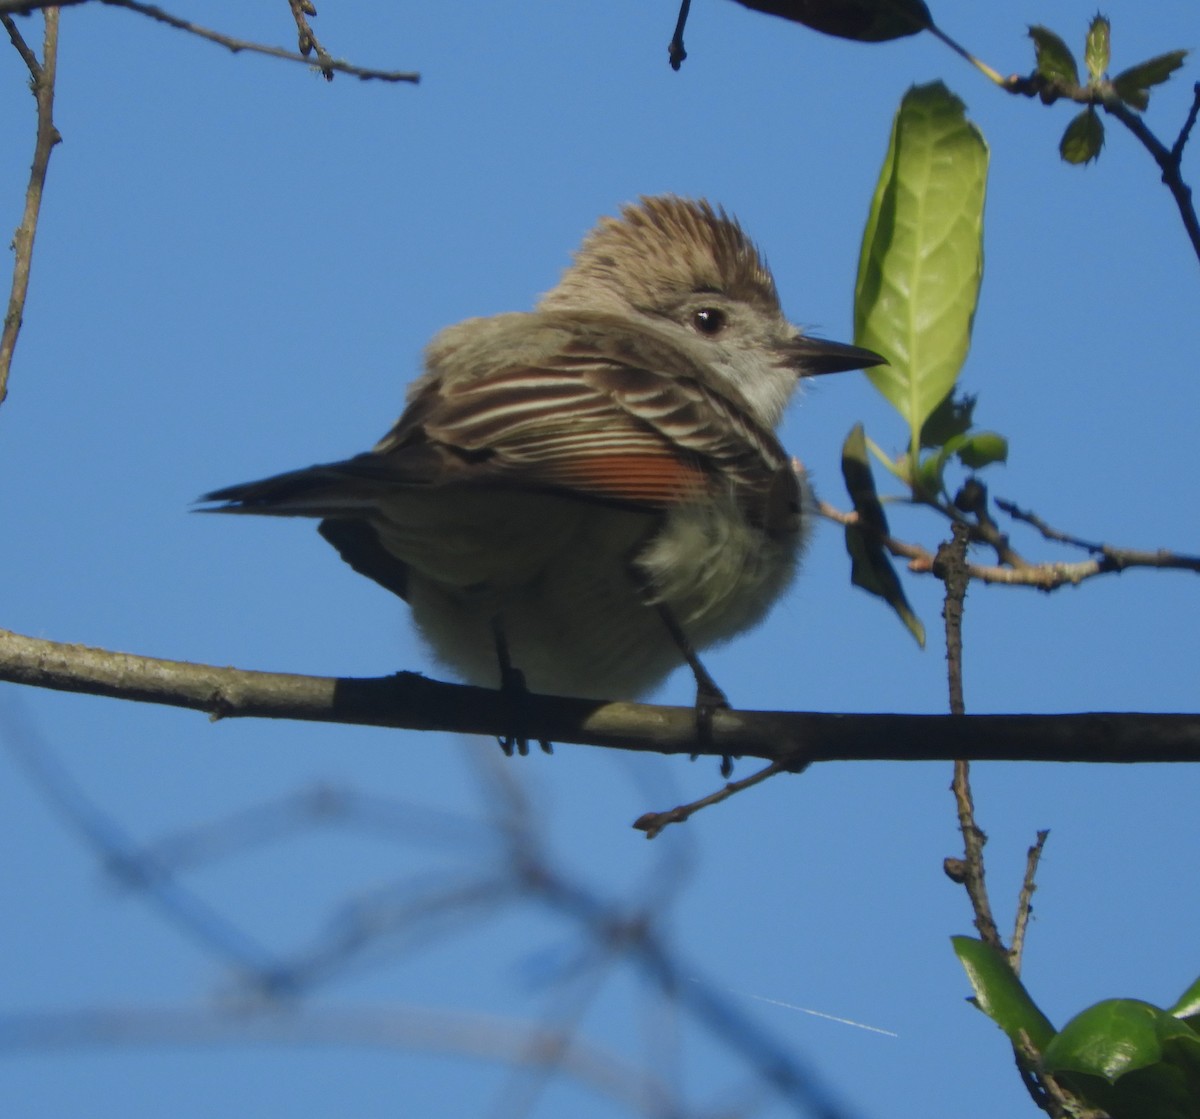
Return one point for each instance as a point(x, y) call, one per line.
point(237, 268)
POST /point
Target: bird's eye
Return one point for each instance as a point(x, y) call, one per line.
point(709, 320)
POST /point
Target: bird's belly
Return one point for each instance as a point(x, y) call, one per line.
point(573, 585)
point(556, 574)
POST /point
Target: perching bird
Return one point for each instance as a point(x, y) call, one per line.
point(588, 493)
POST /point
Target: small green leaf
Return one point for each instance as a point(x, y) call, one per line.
point(1000, 994)
point(921, 262)
point(868, 21)
point(1137, 98)
point(927, 481)
point(1083, 138)
point(870, 565)
point(1096, 52)
point(1055, 61)
point(1188, 1004)
point(952, 417)
point(1133, 85)
point(981, 449)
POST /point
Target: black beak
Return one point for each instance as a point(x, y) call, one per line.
point(816, 356)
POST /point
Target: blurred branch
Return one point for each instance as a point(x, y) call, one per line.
point(1040, 576)
point(509, 862)
point(326, 63)
point(410, 701)
point(415, 1028)
point(42, 75)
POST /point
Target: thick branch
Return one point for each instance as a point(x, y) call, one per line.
point(412, 702)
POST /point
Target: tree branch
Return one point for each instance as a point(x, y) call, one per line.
point(326, 64)
point(410, 701)
point(308, 42)
point(42, 76)
point(1105, 96)
point(1040, 576)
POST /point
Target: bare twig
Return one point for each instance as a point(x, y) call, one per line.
point(951, 567)
point(308, 42)
point(1111, 559)
point(1169, 162)
point(1025, 901)
point(42, 76)
point(1186, 131)
point(407, 700)
point(15, 7)
point(1039, 576)
point(675, 52)
point(653, 823)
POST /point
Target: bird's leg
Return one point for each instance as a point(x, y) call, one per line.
point(709, 697)
point(515, 692)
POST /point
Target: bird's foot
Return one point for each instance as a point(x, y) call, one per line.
point(516, 699)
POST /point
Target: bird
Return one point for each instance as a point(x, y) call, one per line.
point(578, 499)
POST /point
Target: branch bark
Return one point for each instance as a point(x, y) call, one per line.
point(410, 701)
point(42, 77)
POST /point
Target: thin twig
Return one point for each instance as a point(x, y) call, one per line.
point(42, 76)
point(308, 42)
point(1025, 901)
point(652, 823)
point(962, 52)
point(675, 52)
point(16, 7)
point(951, 567)
point(1039, 576)
point(1111, 559)
point(1186, 131)
point(1027, 516)
point(1105, 96)
point(1169, 163)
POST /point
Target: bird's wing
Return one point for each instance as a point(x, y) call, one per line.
point(586, 406)
point(605, 412)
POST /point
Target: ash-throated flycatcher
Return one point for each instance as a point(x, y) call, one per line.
point(587, 493)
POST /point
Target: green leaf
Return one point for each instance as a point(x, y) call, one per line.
point(1133, 85)
point(1096, 52)
point(1054, 58)
point(982, 448)
point(1188, 1004)
point(1083, 138)
point(974, 451)
point(1137, 98)
point(921, 262)
point(1000, 994)
point(868, 21)
point(870, 565)
point(1131, 1059)
point(952, 417)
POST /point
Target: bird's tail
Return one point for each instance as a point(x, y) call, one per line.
point(336, 489)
